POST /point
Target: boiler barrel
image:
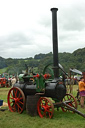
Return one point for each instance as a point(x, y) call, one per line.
point(50, 89)
point(53, 90)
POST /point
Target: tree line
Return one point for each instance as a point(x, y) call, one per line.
point(67, 60)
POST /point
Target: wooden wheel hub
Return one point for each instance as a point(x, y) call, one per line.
point(16, 100)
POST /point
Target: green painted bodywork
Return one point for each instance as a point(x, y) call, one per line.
point(40, 84)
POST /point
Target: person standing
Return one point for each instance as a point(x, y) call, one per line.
point(13, 80)
point(82, 90)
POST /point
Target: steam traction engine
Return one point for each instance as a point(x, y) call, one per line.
point(42, 92)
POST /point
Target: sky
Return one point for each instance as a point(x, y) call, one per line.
point(26, 27)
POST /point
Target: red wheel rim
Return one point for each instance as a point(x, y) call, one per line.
point(45, 107)
point(73, 102)
point(16, 100)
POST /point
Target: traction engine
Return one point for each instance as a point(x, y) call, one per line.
point(41, 93)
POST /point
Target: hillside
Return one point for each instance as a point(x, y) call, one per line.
point(67, 60)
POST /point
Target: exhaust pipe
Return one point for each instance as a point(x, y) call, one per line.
point(55, 43)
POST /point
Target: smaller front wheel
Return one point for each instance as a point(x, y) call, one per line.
point(45, 107)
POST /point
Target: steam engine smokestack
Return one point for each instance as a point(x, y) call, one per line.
point(55, 42)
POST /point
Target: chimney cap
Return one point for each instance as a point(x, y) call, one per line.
point(56, 9)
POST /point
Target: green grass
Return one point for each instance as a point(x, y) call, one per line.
point(3, 93)
point(3, 70)
point(60, 119)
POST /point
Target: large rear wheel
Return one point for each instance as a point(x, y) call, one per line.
point(16, 100)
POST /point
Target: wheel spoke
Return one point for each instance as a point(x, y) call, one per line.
point(11, 102)
point(44, 114)
point(11, 98)
point(50, 114)
point(19, 94)
point(21, 102)
point(11, 94)
point(46, 102)
point(18, 106)
point(21, 98)
point(14, 108)
point(41, 104)
point(16, 93)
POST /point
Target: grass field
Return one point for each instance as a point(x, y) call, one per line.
point(3, 70)
point(60, 119)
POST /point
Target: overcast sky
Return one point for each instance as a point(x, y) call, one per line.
point(26, 26)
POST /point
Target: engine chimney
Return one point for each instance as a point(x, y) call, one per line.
point(55, 42)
